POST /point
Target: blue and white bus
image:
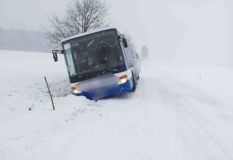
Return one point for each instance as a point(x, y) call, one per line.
point(100, 64)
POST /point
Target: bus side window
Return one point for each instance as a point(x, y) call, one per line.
point(129, 57)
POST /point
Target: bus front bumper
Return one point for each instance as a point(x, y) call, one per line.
point(106, 92)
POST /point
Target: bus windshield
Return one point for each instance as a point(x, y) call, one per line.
point(93, 55)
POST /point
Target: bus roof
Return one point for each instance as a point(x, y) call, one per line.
point(86, 33)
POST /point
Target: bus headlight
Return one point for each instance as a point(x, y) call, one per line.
point(75, 90)
point(123, 79)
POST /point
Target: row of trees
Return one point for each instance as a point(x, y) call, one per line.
point(25, 40)
point(81, 16)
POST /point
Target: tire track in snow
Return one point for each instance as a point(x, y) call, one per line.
point(184, 101)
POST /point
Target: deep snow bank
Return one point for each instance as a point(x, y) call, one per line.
point(176, 113)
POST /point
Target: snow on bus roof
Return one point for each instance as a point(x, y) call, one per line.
point(86, 33)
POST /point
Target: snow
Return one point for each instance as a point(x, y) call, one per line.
point(176, 113)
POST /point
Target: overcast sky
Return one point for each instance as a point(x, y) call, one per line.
point(185, 30)
point(28, 14)
point(32, 15)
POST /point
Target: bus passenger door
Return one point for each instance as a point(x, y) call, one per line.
point(69, 60)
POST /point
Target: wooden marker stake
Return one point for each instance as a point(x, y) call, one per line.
point(51, 97)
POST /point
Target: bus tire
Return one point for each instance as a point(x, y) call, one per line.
point(134, 84)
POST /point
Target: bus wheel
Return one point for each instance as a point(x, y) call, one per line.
point(134, 85)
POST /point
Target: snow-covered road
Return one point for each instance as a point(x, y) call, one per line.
point(176, 113)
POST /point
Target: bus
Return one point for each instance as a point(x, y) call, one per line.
point(100, 64)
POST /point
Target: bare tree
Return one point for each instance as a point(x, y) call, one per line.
point(81, 16)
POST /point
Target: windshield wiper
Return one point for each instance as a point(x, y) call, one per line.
point(90, 43)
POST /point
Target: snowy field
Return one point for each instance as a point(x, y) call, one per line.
point(176, 113)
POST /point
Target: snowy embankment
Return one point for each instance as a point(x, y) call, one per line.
point(176, 113)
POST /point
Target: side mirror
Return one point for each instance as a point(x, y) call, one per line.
point(125, 43)
point(55, 57)
point(55, 52)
